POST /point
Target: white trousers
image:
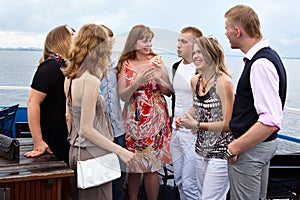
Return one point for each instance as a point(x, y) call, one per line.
point(212, 178)
point(183, 157)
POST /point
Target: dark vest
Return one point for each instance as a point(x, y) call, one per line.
point(244, 113)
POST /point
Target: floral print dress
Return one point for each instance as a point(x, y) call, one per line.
point(147, 125)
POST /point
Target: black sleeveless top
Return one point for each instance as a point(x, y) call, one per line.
point(208, 108)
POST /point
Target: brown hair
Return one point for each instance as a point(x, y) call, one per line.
point(193, 30)
point(109, 31)
point(245, 17)
point(110, 34)
point(58, 41)
point(90, 51)
point(212, 52)
point(136, 33)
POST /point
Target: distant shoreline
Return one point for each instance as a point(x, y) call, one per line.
point(41, 49)
point(20, 49)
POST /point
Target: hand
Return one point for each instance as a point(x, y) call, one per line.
point(144, 77)
point(38, 150)
point(232, 160)
point(156, 66)
point(188, 121)
point(126, 156)
point(231, 155)
point(178, 122)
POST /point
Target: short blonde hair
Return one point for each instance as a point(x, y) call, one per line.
point(245, 17)
point(193, 30)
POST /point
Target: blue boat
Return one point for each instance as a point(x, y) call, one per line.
point(20, 118)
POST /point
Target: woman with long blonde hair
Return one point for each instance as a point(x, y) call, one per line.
point(88, 121)
point(212, 108)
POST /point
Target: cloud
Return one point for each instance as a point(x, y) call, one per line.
point(34, 18)
point(19, 39)
point(289, 41)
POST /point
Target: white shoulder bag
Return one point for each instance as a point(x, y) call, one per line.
point(97, 171)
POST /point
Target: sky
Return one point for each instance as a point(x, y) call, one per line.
point(25, 23)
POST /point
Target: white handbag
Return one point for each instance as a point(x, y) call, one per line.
point(97, 171)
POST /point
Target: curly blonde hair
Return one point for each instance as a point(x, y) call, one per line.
point(90, 51)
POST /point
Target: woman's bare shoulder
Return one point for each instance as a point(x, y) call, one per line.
point(225, 78)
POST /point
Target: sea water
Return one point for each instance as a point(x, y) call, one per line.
point(18, 67)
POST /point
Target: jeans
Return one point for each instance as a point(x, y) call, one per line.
point(183, 157)
point(212, 178)
point(118, 184)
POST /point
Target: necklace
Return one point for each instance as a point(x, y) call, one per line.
point(204, 85)
point(63, 62)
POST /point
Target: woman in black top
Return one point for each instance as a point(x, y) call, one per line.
point(47, 102)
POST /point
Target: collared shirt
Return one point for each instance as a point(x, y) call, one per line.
point(109, 89)
point(264, 81)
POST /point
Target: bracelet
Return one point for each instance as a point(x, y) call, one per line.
point(198, 126)
point(229, 154)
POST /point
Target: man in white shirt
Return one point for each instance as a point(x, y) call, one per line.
point(183, 140)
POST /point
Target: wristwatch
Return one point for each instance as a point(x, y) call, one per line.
point(229, 154)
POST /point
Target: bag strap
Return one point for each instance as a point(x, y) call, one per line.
point(69, 91)
point(78, 156)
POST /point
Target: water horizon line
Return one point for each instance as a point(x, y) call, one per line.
point(161, 51)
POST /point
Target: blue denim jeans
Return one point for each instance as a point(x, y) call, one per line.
point(118, 184)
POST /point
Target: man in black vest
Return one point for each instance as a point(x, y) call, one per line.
point(258, 106)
